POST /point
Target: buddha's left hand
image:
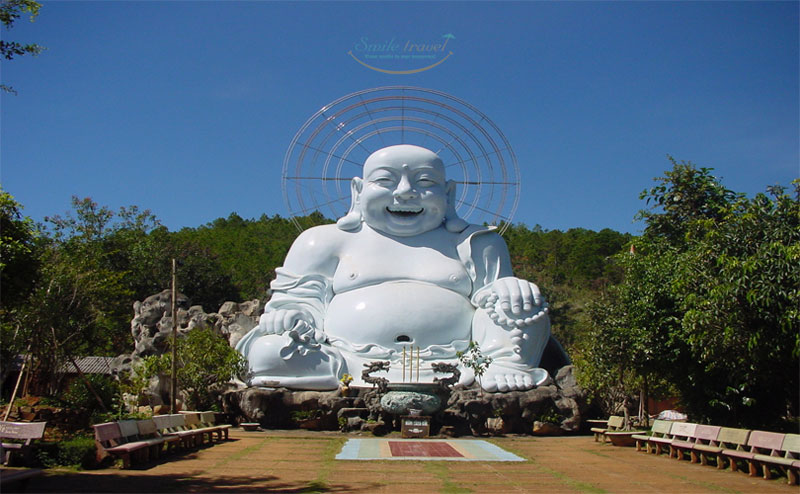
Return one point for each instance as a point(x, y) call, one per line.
point(513, 302)
point(517, 295)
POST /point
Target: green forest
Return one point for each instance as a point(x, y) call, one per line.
point(702, 306)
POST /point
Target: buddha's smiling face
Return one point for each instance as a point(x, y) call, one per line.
point(404, 191)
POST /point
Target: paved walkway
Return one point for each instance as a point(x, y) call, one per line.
point(300, 461)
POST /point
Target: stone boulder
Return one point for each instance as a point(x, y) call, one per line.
point(237, 319)
point(151, 328)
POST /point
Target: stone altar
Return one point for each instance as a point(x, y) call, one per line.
point(401, 269)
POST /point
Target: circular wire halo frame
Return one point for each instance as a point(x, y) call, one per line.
point(331, 147)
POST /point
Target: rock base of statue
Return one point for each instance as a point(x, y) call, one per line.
point(464, 412)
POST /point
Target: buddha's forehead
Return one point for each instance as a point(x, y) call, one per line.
point(395, 157)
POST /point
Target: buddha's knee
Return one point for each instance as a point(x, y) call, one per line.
point(525, 343)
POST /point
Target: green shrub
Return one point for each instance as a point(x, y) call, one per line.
point(301, 415)
point(78, 452)
point(550, 415)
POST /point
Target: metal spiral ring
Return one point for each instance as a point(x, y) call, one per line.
point(332, 145)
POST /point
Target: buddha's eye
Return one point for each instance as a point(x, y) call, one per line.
point(426, 182)
point(383, 181)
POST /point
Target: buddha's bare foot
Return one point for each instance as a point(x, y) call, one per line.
point(504, 379)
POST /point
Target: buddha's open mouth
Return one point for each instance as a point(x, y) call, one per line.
point(404, 211)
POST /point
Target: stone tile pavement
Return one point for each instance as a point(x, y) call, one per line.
point(304, 462)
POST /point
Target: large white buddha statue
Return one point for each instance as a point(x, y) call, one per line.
point(399, 270)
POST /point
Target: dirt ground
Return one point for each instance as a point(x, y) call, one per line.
point(304, 462)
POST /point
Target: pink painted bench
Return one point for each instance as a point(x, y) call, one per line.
point(704, 435)
point(785, 457)
point(760, 443)
point(680, 433)
point(110, 440)
point(727, 438)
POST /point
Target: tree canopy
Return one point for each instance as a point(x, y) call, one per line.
point(708, 303)
point(10, 11)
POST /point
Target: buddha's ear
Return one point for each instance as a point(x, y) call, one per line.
point(352, 220)
point(452, 222)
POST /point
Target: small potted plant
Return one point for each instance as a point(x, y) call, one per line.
point(475, 360)
point(344, 384)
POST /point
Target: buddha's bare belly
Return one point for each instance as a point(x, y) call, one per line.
point(400, 313)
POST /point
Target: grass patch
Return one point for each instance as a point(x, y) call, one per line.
point(440, 470)
point(243, 453)
point(596, 453)
point(320, 484)
point(576, 484)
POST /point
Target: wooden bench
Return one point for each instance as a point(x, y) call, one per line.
point(204, 422)
point(727, 438)
point(120, 440)
point(658, 431)
point(194, 422)
point(789, 463)
point(174, 425)
point(615, 423)
point(765, 450)
point(760, 443)
point(703, 435)
point(129, 430)
point(680, 432)
point(149, 432)
point(208, 419)
point(20, 437)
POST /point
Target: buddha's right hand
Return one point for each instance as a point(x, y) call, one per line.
point(279, 321)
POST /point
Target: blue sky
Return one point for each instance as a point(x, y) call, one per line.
point(187, 108)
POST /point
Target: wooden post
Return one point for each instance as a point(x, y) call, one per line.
point(16, 387)
point(418, 358)
point(173, 373)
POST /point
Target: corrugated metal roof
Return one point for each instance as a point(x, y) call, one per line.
point(89, 365)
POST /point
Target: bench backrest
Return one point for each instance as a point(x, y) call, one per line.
point(731, 438)
point(791, 445)
point(162, 422)
point(178, 421)
point(147, 428)
point(208, 418)
point(107, 432)
point(616, 422)
point(128, 429)
point(661, 427)
point(765, 440)
point(706, 432)
point(682, 429)
point(22, 430)
point(192, 420)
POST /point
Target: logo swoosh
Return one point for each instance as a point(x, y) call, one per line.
point(385, 71)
